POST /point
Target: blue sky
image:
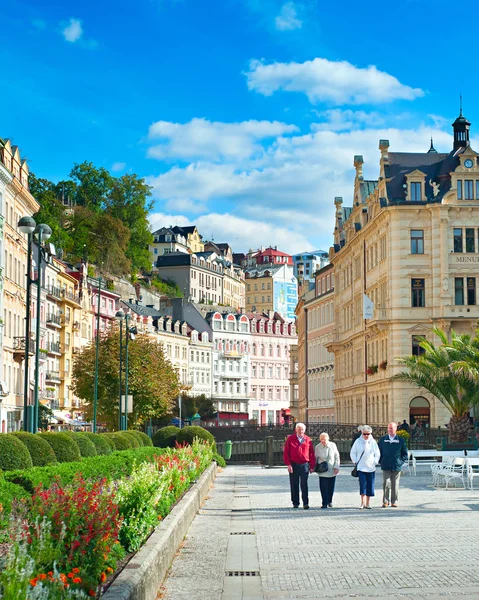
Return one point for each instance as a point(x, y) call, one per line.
point(244, 115)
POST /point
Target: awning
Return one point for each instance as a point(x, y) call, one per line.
point(61, 417)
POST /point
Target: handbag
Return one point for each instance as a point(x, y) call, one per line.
point(354, 472)
point(322, 467)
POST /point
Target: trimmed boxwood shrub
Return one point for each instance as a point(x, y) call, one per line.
point(86, 446)
point(220, 461)
point(40, 451)
point(133, 439)
point(13, 453)
point(188, 434)
point(65, 448)
point(9, 492)
point(120, 440)
point(109, 441)
point(142, 438)
point(102, 446)
point(112, 467)
point(166, 437)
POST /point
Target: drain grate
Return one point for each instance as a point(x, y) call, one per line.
point(243, 533)
point(241, 496)
point(241, 510)
point(242, 573)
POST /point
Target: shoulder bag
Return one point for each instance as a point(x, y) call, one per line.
point(322, 467)
point(354, 472)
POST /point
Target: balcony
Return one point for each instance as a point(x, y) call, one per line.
point(65, 320)
point(54, 348)
point(69, 296)
point(232, 354)
point(19, 347)
point(53, 377)
point(76, 325)
point(54, 320)
point(48, 394)
point(54, 292)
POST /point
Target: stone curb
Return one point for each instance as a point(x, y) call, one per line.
point(143, 575)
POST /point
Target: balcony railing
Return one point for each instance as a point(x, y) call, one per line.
point(54, 348)
point(54, 291)
point(53, 319)
point(53, 376)
point(19, 345)
point(71, 296)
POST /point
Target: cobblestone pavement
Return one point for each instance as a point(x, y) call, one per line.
point(427, 548)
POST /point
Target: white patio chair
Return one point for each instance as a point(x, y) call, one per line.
point(458, 470)
point(411, 462)
point(439, 469)
point(472, 471)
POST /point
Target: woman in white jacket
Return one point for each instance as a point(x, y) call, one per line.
point(365, 454)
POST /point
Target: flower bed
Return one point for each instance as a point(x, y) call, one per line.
point(71, 533)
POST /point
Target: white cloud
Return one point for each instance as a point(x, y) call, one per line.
point(207, 140)
point(118, 166)
point(288, 18)
point(73, 31)
point(239, 232)
point(323, 80)
point(290, 188)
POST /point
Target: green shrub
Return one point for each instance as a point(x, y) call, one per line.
point(9, 492)
point(144, 439)
point(166, 437)
point(136, 443)
point(13, 453)
point(109, 441)
point(102, 446)
point(405, 436)
point(111, 468)
point(120, 440)
point(65, 448)
point(86, 446)
point(40, 451)
point(220, 461)
point(188, 434)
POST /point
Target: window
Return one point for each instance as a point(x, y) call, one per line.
point(470, 240)
point(418, 293)
point(459, 291)
point(416, 348)
point(457, 240)
point(416, 192)
point(459, 189)
point(471, 290)
point(469, 190)
point(417, 241)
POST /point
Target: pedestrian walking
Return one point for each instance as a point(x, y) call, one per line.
point(365, 455)
point(393, 452)
point(357, 434)
point(404, 426)
point(299, 458)
point(327, 467)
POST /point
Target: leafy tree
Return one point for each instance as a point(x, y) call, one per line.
point(129, 200)
point(152, 381)
point(44, 416)
point(112, 238)
point(191, 405)
point(450, 372)
point(92, 185)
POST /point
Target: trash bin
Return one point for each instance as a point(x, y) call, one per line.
point(228, 449)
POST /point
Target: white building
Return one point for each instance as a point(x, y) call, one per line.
point(201, 364)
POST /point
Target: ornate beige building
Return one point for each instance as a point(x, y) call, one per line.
point(411, 244)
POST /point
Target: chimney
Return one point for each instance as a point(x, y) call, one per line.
point(383, 146)
point(358, 165)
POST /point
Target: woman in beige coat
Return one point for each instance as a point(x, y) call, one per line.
point(327, 452)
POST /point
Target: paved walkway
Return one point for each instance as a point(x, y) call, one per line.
point(247, 542)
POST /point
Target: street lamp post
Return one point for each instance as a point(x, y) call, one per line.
point(97, 348)
point(120, 315)
point(27, 225)
point(127, 337)
point(43, 233)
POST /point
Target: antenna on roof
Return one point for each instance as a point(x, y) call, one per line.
point(460, 105)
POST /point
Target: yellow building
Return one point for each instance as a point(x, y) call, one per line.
point(410, 242)
point(15, 202)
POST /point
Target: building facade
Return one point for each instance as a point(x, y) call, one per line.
point(306, 264)
point(411, 244)
point(271, 288)
point(271, 340)
point(168, 240)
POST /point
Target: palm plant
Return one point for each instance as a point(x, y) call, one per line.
point(450, 372)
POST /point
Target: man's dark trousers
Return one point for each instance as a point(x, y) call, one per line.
point(300, 474)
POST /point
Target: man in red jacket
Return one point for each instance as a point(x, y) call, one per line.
point(300, 459)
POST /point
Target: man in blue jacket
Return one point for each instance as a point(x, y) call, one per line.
point(393, 455)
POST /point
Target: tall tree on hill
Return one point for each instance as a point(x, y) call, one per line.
point(111, 244)
point(93, 185)
point(130, 201)
point(153, 382)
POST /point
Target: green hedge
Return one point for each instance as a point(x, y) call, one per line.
point(219, 460)
point(13, 453)
point(188, 434)
point(120, 440)
point(65, 448)
point(85, 445)
point(136, 443)
point(102, 446)
point(40, 451)
point(9, 492)
point(166, 437)
point(142, 438)
point(108, 440)
point(110, 467)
